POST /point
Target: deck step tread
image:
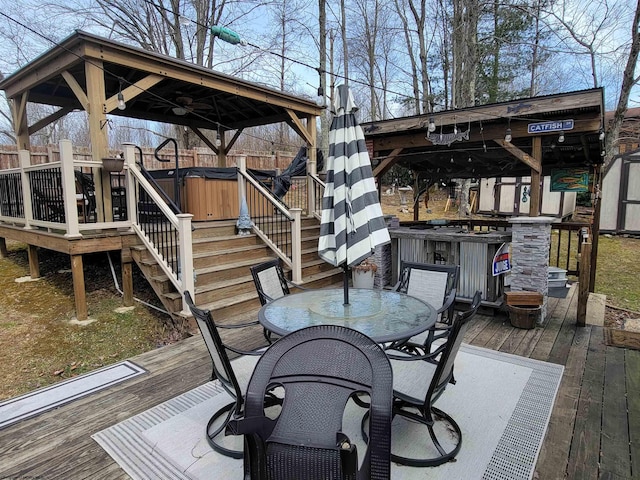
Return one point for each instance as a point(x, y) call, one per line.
point(237, 264)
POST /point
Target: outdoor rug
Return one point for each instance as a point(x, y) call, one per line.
point(501, 402)
point(39, 401)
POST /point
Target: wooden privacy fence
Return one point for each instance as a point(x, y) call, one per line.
point(195, 157)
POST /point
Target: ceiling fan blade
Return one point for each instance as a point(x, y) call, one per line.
point(200, 106)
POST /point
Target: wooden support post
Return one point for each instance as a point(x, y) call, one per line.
point(34, 265)
point(595, 227)
point(127, 282)
point(77, 272)
point(3, 248)
point(98, 128)
point(583, 283)
point(534, 192)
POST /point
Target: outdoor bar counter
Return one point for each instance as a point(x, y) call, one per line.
point(449, 245)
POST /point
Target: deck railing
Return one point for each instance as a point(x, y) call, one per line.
point(317, 190)
point(279, 227)
point(166, 235)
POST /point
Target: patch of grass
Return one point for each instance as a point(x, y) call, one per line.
point(38, 345)
point(618, 271)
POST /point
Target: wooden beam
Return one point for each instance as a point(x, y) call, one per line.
point(132, 91)
point(20, 112)
point(40, 124)
point(535, 194)
point(206, 141)
point(79, 292)
point(387, 163)
point(36, 76)
point(76, 89)
point(105, 53)
point(298, 126)
point(583, 282)
point(234, 139)
point(534, 163)
point(584, 123)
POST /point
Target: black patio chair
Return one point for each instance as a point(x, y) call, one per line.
point(320, 369)
point(234, 384)
point(270, 281)
point(418, 381)
point(436, 285)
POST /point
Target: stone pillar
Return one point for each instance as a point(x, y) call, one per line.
point(382, 258)
point(530, 241)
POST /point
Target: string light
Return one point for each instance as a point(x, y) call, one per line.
point(432, 124)
point(602, 136)
point(507, 136)
point(561, 137)
point(121, 104)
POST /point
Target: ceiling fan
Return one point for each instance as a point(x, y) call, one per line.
point(186, 105)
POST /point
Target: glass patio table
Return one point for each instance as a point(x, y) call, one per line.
point(383, 315)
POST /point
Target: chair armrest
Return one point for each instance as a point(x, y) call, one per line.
point(238, 325)
point(448, 306)
point(409, 357)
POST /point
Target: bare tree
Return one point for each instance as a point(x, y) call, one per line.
point(629, 80)
point(465, 51)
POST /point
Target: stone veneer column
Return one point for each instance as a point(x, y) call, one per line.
point(530, 241)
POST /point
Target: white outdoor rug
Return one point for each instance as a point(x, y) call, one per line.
point(38, 401)
point(501, 402)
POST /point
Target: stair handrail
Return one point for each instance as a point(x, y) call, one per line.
point(293, 216)
point(149, 177)
point(315, 194)
point(182, 278)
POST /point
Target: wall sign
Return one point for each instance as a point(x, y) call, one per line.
point(569, 180)
point(553, 126)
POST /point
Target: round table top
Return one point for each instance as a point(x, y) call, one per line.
point(383, 315)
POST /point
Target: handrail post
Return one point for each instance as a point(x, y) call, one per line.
point(25, 161)
point(186, 258)
point(296, 245)
point(69, 189)
point(241, 164)
point(130, 162)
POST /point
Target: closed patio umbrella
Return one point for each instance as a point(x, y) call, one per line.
point(352, 224)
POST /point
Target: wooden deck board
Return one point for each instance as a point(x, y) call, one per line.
point(632, 370)
point(585, 448)
point(58, 444)
point(615, 461)
point(552, 462)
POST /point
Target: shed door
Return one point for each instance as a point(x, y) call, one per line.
point(631, 195)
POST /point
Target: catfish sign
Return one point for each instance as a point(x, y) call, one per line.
point(502, 260)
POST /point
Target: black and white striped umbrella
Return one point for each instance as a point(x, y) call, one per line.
point(352, 224)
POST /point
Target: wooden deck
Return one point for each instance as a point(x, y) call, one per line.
point(594, 431)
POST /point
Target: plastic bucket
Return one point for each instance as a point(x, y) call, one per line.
point(524, 317)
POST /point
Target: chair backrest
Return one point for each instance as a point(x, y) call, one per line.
point(320, 368)
point(444, 370)
point(429, 282)
point(269, 280)
point(222, 369)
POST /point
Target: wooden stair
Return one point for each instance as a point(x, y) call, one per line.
point(222, 262)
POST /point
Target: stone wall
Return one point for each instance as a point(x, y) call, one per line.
point(531, 238)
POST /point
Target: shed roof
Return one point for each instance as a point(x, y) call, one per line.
point(485, 153)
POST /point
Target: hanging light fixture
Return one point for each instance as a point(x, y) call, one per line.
point(432, 124)
point(218, 140)
point(561, 137)
point(601, 137)
point(507, 136)
point(179, 111)
point(121, 104)
point(451, 161)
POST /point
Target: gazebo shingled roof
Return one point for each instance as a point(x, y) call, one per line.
point(84, 69)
